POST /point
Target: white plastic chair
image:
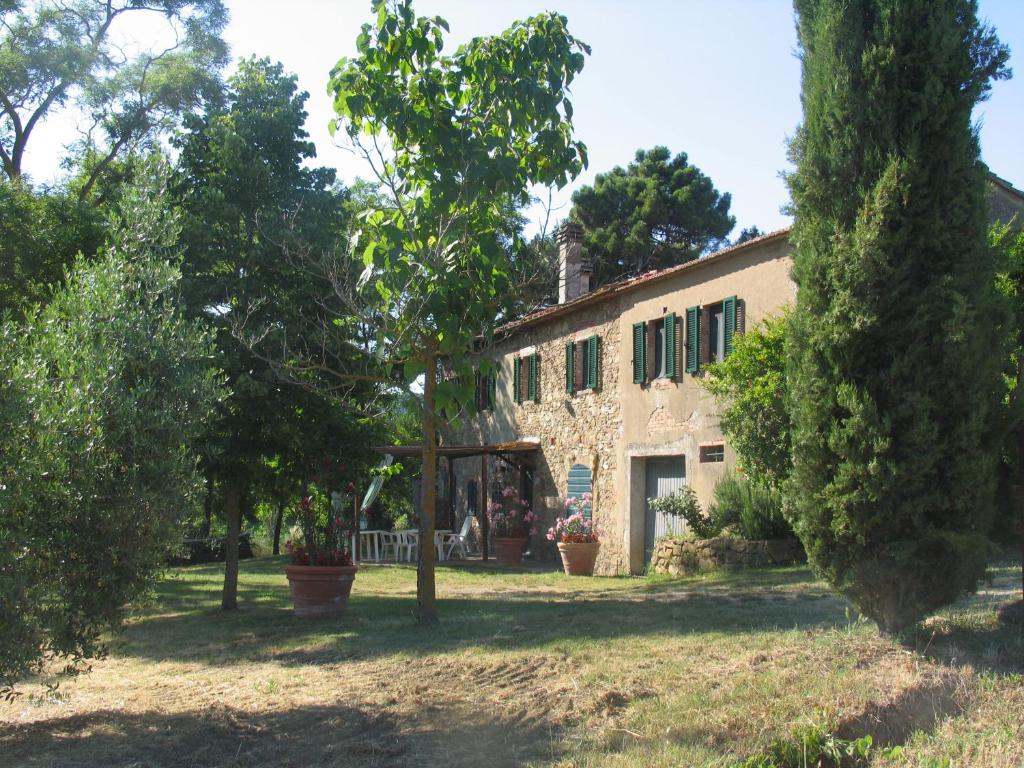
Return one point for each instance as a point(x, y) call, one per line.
point(459, 541)
point(408, 542)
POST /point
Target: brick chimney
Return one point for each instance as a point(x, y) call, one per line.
point(573, 269)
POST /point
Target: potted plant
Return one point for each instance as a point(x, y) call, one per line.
point(577, 539)
point(511, 523)
point(321, 572)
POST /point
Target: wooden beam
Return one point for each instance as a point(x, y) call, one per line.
point(451, 493)
point(484, 520)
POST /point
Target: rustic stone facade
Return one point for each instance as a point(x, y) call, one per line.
point(676, 556)
point(627, 432)
point(582, 428)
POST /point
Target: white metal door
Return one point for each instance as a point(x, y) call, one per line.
point(665, 476)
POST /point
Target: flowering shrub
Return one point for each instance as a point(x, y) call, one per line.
point(574, 528)
point(511, 518)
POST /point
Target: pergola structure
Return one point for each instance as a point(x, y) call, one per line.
point(517, 454)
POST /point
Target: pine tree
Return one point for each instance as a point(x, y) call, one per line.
point(893, 350)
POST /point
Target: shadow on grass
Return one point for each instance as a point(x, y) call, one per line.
point(186, 624)
point(330, 734)
point(977, 630)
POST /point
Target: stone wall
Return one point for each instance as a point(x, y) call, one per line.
point(582, 428)
point(677, 556)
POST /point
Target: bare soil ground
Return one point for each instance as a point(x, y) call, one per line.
point(528, 669)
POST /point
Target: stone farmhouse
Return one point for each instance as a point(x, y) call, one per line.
point(602, 392)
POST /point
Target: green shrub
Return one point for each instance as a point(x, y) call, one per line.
point(684, 504)
point(748, 509)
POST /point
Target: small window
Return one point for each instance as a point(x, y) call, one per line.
point(580, 491)
point(711, 332)
point(472, 498)
point(716, 334)
point(526, 378)
point(710, 454)
point(655, 349)
point(582, 364)
point(486, 391)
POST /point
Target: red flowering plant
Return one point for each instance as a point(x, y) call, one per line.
point(574, 528)
point(511, 518)
point(325, 531)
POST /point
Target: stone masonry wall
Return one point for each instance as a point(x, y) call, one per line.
point(677, 556)
point(570, 429)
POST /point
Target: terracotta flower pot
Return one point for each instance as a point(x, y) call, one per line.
point(509, 551)
point(578, 558)
point(320, 591)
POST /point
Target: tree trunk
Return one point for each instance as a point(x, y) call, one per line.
point(426, 607)
point(233, 512)
point(277, 526)
point(207, 508)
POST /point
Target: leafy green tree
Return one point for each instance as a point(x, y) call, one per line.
point(750, 386)
point(657, 212)
point(894, 348)
point(103, 394)
point(1007, 240)
point(249, 203)
point(452, 138)
point(40, 236)
point(64, 54)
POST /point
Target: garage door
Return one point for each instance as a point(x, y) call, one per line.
point(665, 476)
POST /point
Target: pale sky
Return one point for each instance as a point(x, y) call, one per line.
point(717, 79)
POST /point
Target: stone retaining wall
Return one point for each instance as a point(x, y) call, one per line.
point(677, 557)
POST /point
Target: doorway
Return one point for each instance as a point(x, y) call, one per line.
point(664, 476)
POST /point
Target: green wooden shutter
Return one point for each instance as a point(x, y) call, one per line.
point(670, 345)
point(593, 363)
point(517, 390)
point(492, 390)
point(532, 376)
point(692, 339)
point(639, 353)
point(729, 318)
point(570, 354)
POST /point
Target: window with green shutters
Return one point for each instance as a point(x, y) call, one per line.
point(517, 389)
point(486, 391)
point(729, 320)
point(692, 339)
point(582, 364)
point(533, 377)
point(580, 491)
point(526, 378)
point(593, 362)
point(656, 349)
point(639, 353)
point(670, 352)
point(570, 373)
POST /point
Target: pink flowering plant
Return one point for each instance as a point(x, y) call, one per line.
point(511, 518)
point(574, 528)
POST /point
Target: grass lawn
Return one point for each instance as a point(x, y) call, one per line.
point(528, 669)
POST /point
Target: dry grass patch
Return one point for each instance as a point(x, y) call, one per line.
point(525, 669)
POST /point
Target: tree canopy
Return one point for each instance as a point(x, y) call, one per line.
point(658, 211)
point(61, 54)
point(894, 346)
point(750, 385)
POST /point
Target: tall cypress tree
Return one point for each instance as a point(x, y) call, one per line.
point(893, 352)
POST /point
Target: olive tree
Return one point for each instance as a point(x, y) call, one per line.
point(102, 395)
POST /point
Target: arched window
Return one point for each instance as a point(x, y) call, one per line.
point(581, 488)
